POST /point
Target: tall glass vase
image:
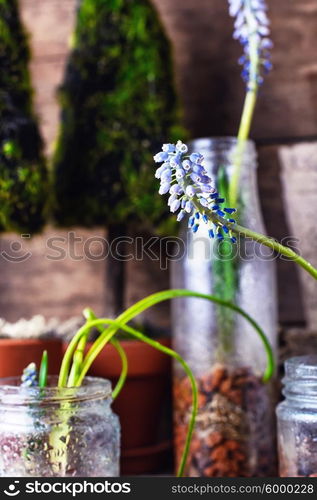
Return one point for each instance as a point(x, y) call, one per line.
point(235, 429)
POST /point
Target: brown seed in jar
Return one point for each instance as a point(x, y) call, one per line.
point(219, 454)
point(213, 439)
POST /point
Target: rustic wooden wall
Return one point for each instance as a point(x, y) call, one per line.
point(212, 93)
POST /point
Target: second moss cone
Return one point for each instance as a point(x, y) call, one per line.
point(118, 104)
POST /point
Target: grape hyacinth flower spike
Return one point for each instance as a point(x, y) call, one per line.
point(29, 377)
point(191, 192)
point(252, 29)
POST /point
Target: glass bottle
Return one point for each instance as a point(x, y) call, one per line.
point(297, 419)
point(50, 432)
point(234, 433)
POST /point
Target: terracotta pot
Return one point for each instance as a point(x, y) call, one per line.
point(141, 406)
point(15, 355)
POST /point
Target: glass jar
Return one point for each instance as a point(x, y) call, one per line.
point(55, 432)
point(235, 430)
point(297, 419)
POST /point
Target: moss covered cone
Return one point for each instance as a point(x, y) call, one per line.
point(23, 176)
point(118, 106)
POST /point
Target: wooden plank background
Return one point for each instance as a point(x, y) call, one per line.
point(212, 93)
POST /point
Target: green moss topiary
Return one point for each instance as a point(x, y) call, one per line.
point(118, 106)
point(23, 176)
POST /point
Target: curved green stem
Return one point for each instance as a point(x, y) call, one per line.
point(75, 353)
point(90, 315)
point(265, 240)
point(275, 245)
point(124, 371)
point(141, 306)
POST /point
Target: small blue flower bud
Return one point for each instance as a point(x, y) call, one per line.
point(204, 202)
point(196, 158)
point(161, 156)
point(191, 221)
point(176, 189)
point(175, 205)
point(181, 147)
point(190, 191)
point(164, 188)
point(180, 173)
point(211, 233)
point(171, 199)
point(194, 177)
point(160, 170)
point(204, 179)
point(168, 148)
point(166, 175)
point(187, 165)
point(181, 215)
point(189, 207)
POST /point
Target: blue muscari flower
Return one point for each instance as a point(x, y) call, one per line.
point(252, 23)
point(211, 233)
point(29, 377)
point(191, 222)
point(191, 191)
point(168, 148)
point(181, 215)
point(162, 156)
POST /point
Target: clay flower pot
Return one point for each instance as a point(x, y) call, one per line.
point(141, 404)
point(16, 354)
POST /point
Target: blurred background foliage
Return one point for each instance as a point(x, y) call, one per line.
point(118, 106)
point(23, 174)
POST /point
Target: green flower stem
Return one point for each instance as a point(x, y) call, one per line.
point(248, 111)
point(138, 308)
point(265, 240)
point(278, 247)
